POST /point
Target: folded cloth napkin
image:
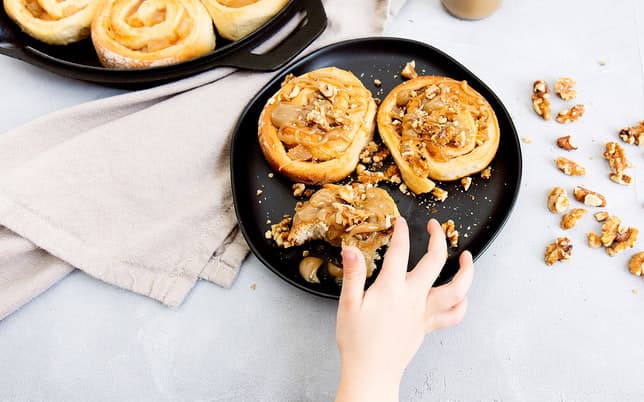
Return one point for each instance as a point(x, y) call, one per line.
point(134, 189)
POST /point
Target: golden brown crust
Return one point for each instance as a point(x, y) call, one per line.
point(438, 129)
point(237, 18)
point(315, 127)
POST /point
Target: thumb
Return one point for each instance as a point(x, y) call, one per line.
point(353, 277)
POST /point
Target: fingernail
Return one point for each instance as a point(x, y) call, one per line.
point(348, 255)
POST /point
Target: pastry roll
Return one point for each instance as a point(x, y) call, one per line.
point(148, 33)
point(351, 215)
point(313, 129)
point(57, 22)
point(437, 129)
point(235, 19)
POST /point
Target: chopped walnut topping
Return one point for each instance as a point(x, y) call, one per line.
point(377, 82)
point(439, 194)
point(565, 88)
point(594, 241)
point(560, 250)
point(540, 102)
point(409, 71)
point(590, 198)
point(617, 162)
point(633, 135)
point(566, 143)
point(558, 200)
point(569, 220)
point(298, 189)
point(280, 231)
point(486, 173)
point(466, 182)
point(294, 92)
point(570, 115)
point(636, 264)
point(450, 233)
point(600, 216)
point(570, 168)
point(328, 91)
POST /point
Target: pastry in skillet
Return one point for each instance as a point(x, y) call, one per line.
point(235, 19)
point(57, 22)
point(313, 129)
point(437, 128)
point(147, 33)
point(356, 215)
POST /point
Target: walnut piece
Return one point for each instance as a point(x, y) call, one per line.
point(486, 173)
point(558, 200)
point(280, 231)
point(633, 135)
point(570, 168)
point(570, 219)
point(570, 115)
point(377, 82)
point(636, 264)
point(450, 233)
point(409, 71)
point(600, 216)
point(560, 250)
point(617, 163)
point(616, 237)
point(566, 143)
point(298, 189)
point(565, 88)
point(439, 194)
point(609, 230)
point(540, 102)
point(588, 197)
point(594, 241)
point(466, 182)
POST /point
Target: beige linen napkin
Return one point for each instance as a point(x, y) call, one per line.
point(134, 189)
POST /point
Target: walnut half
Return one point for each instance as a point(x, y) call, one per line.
point(558, 200)
point(588, 197)
point(633, 135)
point(617, 163)
point(450, 233)
point(636, 264)
point(570, 168)
point(540, 102)
point(560, 250)
point(570, 115)
point(565, 88)
point(570, 219)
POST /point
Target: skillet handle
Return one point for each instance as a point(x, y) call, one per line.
point(307, 30)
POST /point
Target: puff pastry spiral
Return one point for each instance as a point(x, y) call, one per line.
point(313, 129)
point(437, 128)
point(57, 22)
point(147, 33)
point(235, 19)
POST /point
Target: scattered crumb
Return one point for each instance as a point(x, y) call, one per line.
point(268, 235)
point(253, 286)
point(268, 221)
point(403, 188)
point(601, 62)
point(527, 140)
point(305, 253)
point(377, 82)
point(466, 182)
point(486, 173)
point(635, 291)
point(259, 192)
point(271, 175)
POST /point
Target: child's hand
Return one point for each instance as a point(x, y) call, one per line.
point(380, 330)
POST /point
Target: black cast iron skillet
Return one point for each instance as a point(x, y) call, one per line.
point(79, 60)
point(479, 214)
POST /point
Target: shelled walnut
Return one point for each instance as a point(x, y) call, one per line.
point(617, 163)
point(409, 71)
point(594, 241)
point(633, 135)
point(566, 143)
point(540, 102)
point(570, 219)
point(298, 189)
point(636, 264)
point(486, 173)
point(601, 216)
point(558, 200)
point(450, 233)
point(570, 168)
point(565, 88)
point(615, 237)
point(466, 182)
point(571, 115)
point(560, 250)
point(439, 194)
point(588, 197)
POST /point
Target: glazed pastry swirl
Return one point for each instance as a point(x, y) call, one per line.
point(147, 33)
point(438, 128)
point(314, 128)
point(235, 19)
point(57, 22)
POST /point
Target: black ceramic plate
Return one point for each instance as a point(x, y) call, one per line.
point(79, 60)
point(479, 214)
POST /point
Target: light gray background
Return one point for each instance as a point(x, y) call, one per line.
point(572, 332)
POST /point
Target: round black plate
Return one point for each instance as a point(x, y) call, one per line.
point(479, 214)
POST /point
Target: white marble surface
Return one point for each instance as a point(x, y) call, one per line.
point(572, 332)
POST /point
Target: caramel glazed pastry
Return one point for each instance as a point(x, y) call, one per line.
point(314, 128)
point(56, 22)
point(235, 19)
point(355, 214)
point(138, 34)
point(437, 129)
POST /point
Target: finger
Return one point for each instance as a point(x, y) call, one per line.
point(448, 318)
point(394, 266)
point(354, 275)
point(429, 267)
point(446, 296)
